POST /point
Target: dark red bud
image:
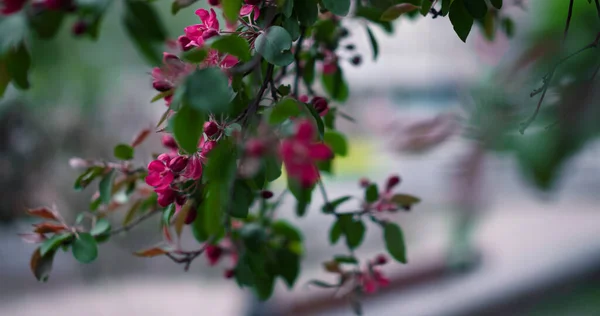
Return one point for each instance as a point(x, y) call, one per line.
point(166, 197)
point(161, 86)
point(79, 28)
point(209, 33)
point(214, 2)
point(164, 158)
point(381, 260)
point(255, 147)
point(392, 182)
point(356, 60)
point(213, 253)
point(252, 2)
point(320, 104)
point(181, 199)
point(191, 216)
point(266, 194)
point(178, 164)
point(169, 142)
point(183, 42)
point(229, 273)
point(211, 128)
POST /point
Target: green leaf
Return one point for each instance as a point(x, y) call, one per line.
point(446, 4)
point(146, 30)
point(287, 230)
point(87, 177)
point(46, 23)
point(426, 7)
point(50, 245)
point(181, 4)
point(274, 45)
point(105, 187)
point(394, 12)
point(254, 236)
point(242, 199)
point(308, 73)
point(335, 85)
point(231, 9)
point(307, 11)
point(233, 45)
point(291, 25)
point(220, 169)
point(353, 229)
point(289, 266)
point(198, 228)
point(335, 232)
point(272, 168)
point(374, 43)
point(508, 26)
point(84, 248)
point(372, 193)
point(394, 241)
point(187, 126)
point(498, 4)
point(405, 200)
point(18, 62)
point(477, 8)
point(283, 110)
point(337, 7)
point(102, 227)
point(288, 8)
point(168, 214)
point(41, 266)
point(195, 56)
point(337, 141)
point(373, 15)
point(123, 152)
point(345, 259)
point(461, 20)
point(332, 206)
point(317, 119)
point(4, 78)
point(207, 90)
point(303, 196)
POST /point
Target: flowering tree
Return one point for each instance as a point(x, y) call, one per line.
point(240, 108)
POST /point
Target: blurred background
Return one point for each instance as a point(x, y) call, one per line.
point(484, 241)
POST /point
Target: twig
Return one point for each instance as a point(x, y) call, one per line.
point(548, 79)
point(569, 15)
point(188, 256)
point(134, 223)
point(297, 62)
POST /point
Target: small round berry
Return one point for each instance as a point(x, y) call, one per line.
point(356, 60)
point(266, 194)
point(211, 128)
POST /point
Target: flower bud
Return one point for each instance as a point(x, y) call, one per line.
point(169, 142)
point(392, 182)
point(252, 2)
point(208, 146)
point(266, 194)
point(211, 128)
point(191, 216)
point(209, 33)
point(356, 60)
point(303, 98)
point(178, 164)
point(213, 254)
point(214, 2)
point(164, 158)
point(79, 28)
point(380, 260)
point(321, 105)
point(161, 86)
point(364, 182)
point(166, 197)
point(183, 43)
point(229, 273)
point(181, 199)
point(255, 147)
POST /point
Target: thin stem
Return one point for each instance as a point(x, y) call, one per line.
point(297, 62)
point(134, 223)
point(569, 15)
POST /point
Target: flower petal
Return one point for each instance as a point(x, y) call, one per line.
point(203, 15)
point(305, 131)
point(156, 166)
point(246, 9)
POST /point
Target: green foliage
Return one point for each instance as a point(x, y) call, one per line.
point(106, 187)
point(461, 19)
point(394, 241)
point(123, 152)
point(337, 7)
point(337, 142)
point(145, 29)
point(274, 45)
point(233, 45)
point(84, 248)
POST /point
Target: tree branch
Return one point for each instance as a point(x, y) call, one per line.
point(569, 15)
point(139, 220)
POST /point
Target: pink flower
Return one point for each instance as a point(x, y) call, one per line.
point(166, 197)
point(299, 154)
point(171, 73)
point(159, 175)
point(248, 9)
point(11, 6)
point(194, 168)
point(213, 254)
point(371, 280)
point(198, 33)
point(216, 59)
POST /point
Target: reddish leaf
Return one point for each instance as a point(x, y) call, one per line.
point(41, 266)
point(167, 234)
point(152, 252)
point(43, 212)
point(140, 137)
point(32, 238)
point(48, 227)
